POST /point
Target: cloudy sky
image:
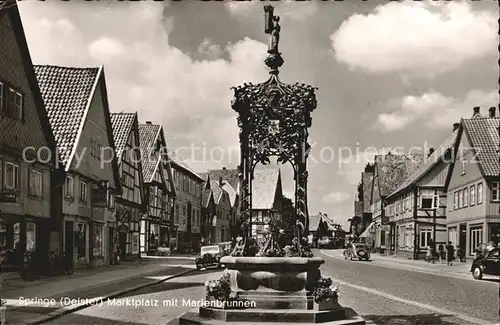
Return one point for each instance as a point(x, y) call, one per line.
point(390, 75)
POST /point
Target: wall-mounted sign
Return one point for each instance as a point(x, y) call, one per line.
point(100, 195)
point(8, 197)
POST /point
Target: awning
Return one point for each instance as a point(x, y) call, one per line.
point(367, 232)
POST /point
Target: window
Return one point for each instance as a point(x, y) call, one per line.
point(95, 149)
point(425, 237)
point(11, 176)
point(495, 191)
point(98, 240)
point(463, 167)
point(460, 200)
point(466, 197)
point(69, 187)
point(479, 193)
point(152, 195)
point(472, 195)
point(111, 200)
point(1, 96)
point(30, 236)
point(36, 183)
point(83, 192)
point(14, 104)
point(476, 238)
point(455, 200)
point(428, 200)
point(176, 215)
point(135, 243)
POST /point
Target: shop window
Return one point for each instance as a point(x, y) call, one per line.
point(17, 235)
point(135, 243)
point(476, 238)
point(81, 241)
point(30, 236)
point(98, 240)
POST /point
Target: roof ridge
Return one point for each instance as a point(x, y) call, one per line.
point(66, 67)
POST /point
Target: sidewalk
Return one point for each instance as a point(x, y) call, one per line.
point(457, 269)
point(12, 289)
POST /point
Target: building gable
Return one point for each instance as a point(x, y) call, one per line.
point(94, 153)
point(465, 157)
point(16, 71)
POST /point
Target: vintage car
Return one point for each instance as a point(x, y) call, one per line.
point(489, 264)
point(210, 256)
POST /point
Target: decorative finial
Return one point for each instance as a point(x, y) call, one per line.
point(273, 28)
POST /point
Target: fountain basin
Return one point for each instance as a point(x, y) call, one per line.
point(262, 274)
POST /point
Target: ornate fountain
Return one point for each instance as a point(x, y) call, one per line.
point(273, 284)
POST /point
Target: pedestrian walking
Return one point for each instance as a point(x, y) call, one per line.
point(441, 253)
point(450, 253)
point(428, 255)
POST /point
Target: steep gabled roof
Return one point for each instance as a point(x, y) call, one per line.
point(123, 124)
point(147, 136)
point(11, 10)
point(483, 136)
point(392, 170)
point(206, 195)
point(264, 186)
point(314, 222)
point(367, 180)
point(67, 93)
point(230, 181)
point(216, 190)
point(181, 164)
point(428, 163)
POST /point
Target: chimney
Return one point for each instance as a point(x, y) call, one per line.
point(148, 122)
point(492, 111)
point(475, 111)
point(431, 151)
point(455, 126)
point(220, 181)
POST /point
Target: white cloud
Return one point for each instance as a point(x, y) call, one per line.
point(294, 10)
point(336, 197)
point(210, 49)
point(434, 109)
point(421, 39)
point(144, 72)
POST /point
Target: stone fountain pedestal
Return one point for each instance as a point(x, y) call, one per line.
point(273, 290)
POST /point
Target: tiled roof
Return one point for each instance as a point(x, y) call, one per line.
point(367, 179)
point(228, 175)
point(122, 124)
point(206, 194)
point(147, 136)
point(358, 208)
point(393, 169)
point(428, 163)
point(264, 187)
point(230, 181)
point(483, 135)
point(66, 93)
point(178, 162)
point(216, 190)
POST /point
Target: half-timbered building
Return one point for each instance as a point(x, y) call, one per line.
point(25, 177)
point(130, 205)
point(416, 210)
point(156, 223)
point(77, 105)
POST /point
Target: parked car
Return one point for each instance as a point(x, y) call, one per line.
point(489, 264)
point(324, 242)
point(209, 256)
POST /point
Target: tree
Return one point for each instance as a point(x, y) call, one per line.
point(370, 168)
point(5, 4)
point(360, 192)
point(288, 213)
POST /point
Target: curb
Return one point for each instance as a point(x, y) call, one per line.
point(170, 257)
point(68, 310)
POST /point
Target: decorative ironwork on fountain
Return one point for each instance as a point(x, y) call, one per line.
point(274, 118)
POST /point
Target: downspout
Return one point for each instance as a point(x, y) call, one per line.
point(415, 214)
